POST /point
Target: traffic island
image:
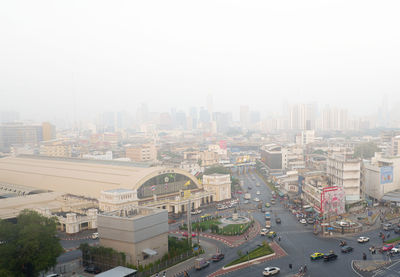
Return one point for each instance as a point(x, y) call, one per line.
point(369, 265)
point(259, 255)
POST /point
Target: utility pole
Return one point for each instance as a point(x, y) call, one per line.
point(189, 223)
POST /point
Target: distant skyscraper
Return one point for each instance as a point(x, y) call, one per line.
point(204, 115)
point(194, 117)
point(8, 116)
point(244, 117)
point(210, 105)
point(142, 114)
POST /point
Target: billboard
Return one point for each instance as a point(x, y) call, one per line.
point(386, 174)
point(333, 200)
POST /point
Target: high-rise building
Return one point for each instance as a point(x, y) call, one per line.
point(244, 117)
point(48, 131)
point(19, 134)
point(210, 106)
point(344, 170)
point(8, 116)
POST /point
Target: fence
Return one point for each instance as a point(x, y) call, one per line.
point(158, 267)
point(66, 269)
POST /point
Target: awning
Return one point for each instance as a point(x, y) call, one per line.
point(149, 251)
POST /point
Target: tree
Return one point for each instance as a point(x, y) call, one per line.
point(365, 150)
point(30, 245)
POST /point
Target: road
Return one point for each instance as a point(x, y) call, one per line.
point(296, 239)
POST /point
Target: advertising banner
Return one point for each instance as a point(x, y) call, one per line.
point(386, 174)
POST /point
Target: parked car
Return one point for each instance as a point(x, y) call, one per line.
point(329, 257)
point(54, 275)
point(239, 192)
point(269, 271)
point(387, 247)
point(303, 221)
point(346, 249)
point(92, 269)
point(95, 235)
point(217, 257)
point(363, 239)
point(344, 224)
point(397, 230)
point(278, 220)
point(246, 202)
point(316, 256)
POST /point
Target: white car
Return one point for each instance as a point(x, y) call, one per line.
point(344, 223)
point(395, 250)
point(256, 199)
point(258, 192)
point(269, 271)
point(362, 239)
point(303, 221)
point(95, 235)
point(264, 232)
point(195, 212)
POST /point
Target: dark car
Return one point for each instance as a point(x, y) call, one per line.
point(397, 230)
point(346, 249)
point(217, 257)
point(330, 257)
point(278, 220)
point(92, 269)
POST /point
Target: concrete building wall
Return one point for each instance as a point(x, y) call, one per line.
point(132, 234)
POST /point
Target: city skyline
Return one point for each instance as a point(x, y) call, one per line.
point(115, 57)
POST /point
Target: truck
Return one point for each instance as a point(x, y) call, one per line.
point(201, 263)
point(247, 196)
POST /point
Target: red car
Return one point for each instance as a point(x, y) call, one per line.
point(186, 234)
point(239, 192)
point(387, 247)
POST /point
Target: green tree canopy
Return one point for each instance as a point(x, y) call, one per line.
point(365, 150)
point(28, 246)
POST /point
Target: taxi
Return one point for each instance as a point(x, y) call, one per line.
point(267, 205)
point(271, 234)
point(316, 256)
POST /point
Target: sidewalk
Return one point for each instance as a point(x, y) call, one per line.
point(209, 250)
point(279, 252)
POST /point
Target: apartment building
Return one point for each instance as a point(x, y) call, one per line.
point(141, 153)
point(56, 148)
point(380, 175)
point(344, 171)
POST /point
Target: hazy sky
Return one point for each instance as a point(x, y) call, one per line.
point(113, 55)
